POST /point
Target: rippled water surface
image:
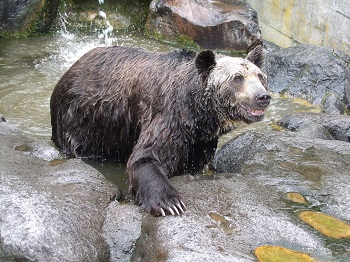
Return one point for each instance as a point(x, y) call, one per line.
point(30, 68)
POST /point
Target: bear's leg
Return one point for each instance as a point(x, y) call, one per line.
point(152, 189)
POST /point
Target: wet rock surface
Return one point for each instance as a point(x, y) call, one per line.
point(51, 210)
point(317, 74)
point(211, 24)
point(27, 16)
point(312, 125)
point(121, 230)
point(277, 163)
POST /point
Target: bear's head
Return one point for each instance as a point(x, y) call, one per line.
point(236, 86)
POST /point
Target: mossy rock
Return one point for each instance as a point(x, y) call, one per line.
point(327, 225)
point(280, 254)
point(25, 18)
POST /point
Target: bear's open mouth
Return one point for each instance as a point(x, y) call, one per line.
point(249, 114)
point(257, 112)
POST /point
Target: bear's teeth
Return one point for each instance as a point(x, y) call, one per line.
point(257, 112)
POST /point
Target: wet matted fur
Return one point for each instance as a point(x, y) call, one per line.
point(162, 113)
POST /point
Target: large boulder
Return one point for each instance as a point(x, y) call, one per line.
point(211, 24)
point(25, 17)
point(318, 74)
point(55, 209)
point(283, 162)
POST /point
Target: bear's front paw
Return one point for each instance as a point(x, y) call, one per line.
point(160, 200)
point(152, 190)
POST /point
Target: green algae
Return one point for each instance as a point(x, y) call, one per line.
point(280, 254)
point(296, 197)
point(327, 225)
point(222, 222)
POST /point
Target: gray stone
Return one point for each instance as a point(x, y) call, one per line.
point(334, 126)
point(49, 210)
point(211, 24)
point(332, 104)
point(122, 229)
point(312, 73)
point(229, 215)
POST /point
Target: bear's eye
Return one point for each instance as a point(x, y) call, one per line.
point(238, 79)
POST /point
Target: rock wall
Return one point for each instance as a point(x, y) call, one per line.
point(316, 22)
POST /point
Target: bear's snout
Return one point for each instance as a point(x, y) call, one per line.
point(263, 99)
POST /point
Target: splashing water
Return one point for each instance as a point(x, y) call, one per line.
point(108, 30)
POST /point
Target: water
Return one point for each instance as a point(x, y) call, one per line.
point(30, 68)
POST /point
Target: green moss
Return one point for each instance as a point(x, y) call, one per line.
point(326, 224)
point(280, 254)
point(180, 41)
point(296, 197)
point(39, 20)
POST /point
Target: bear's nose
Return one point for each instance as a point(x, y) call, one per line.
point(263, 99)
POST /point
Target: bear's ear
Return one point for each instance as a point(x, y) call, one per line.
point(205, 61)
point(256, 56)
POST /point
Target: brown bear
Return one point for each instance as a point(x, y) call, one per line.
point(162, 113)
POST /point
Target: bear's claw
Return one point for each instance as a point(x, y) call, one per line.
point(175, 210)
point(180, 208)
point(162, 212)
point(171, 211)
point(184, 206)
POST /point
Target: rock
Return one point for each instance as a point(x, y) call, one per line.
point(211, 24)
point(228, 216)
point(332, 104)
point(312, 125)
point(39, 150)
point(313, 73)
point(49, 210)
point(284, 158)
point(278, 163)
point(121, 230)
point(27, 16)
point(2, 118)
